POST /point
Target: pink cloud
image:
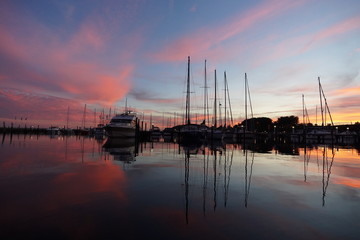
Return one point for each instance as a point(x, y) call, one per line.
point(206, 40)
point(335, 30)
point(88, 35)
point(70, 66)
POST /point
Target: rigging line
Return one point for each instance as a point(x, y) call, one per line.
point(321, 106)
point(327, 106)
point(231, 116)
point(251, 109)
point(307, 115)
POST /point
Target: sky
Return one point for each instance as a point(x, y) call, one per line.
point(58, 56)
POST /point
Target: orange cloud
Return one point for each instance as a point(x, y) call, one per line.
point(349, 91)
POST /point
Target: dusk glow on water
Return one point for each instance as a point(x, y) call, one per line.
point(86, 188)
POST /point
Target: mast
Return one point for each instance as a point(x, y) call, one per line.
point(84, 116)
point(125, 104)
point(103, 117)
point(150, 120)
point(326, 107)
point(321, 106)
point(188, 94)
point(206, 107)
point(215, 104)
point(225, 97)
point(67, 118)
point(303, 105)
point(95, 117)
point(245, 102)
point(228, 97)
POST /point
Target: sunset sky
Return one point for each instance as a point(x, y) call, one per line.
point(56, 55)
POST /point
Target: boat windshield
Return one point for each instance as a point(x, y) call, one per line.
point(121, 120)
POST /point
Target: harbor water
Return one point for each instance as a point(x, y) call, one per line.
point(79, 187)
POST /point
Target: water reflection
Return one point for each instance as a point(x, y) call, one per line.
point(327, 159)
point(186, 182)
point(326, 171)
point(215, 190)
point(122, 149)
point(227, 173)
point(248, 178)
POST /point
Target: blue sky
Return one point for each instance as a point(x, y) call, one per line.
point(56, 54)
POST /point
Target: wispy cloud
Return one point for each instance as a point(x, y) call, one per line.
point(206, 40)
point(145, 96)
point(298, 45)
point(193, 8)
point(335, 30)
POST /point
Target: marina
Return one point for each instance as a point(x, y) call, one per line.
point(180, 120)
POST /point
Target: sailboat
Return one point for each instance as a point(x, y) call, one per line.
point(228, 132)
point(248, 131)
point(189, 132)
point(216, 133)
point(83, 130)
point(324, 133)
point(204, 129)
point(66, 130)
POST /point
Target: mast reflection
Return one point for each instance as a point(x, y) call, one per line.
point(186, 183)
point(205, 178)
point(248, 178)
point(227, 173)
point(307, 155)
point(326, 171)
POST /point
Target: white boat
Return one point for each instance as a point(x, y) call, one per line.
point(53, 130)
point(122, 125)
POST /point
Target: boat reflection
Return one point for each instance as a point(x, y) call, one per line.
point(122, 149)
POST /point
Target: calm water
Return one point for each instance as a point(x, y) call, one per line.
point(83, 188)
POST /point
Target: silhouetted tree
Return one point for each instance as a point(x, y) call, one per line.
point(260, 124)
point(286, 123)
